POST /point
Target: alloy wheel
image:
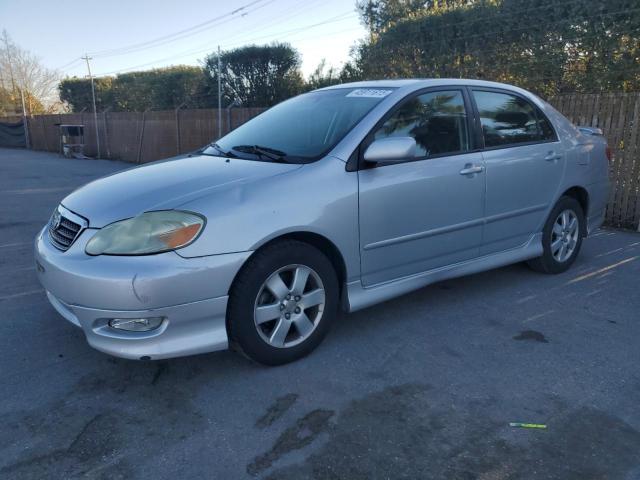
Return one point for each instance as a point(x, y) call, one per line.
point(564, 235)
point(289, 306)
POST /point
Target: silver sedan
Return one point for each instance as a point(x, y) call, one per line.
point(336, 199)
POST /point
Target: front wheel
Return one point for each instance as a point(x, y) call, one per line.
point(282, 303)
point(561, 237)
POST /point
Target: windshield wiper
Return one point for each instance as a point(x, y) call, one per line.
point(270, 153)
point(223, 152)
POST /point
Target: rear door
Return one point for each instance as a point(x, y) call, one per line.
point(524, 165)
point(426, 212)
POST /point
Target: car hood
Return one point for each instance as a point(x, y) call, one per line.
point(164, 185)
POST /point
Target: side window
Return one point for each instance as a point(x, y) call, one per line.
point(548, 134)
point(436, 120)
point(508, 119)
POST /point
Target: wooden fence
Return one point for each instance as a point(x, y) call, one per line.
point(138, 137)
point(143, 137)
point(618, 115)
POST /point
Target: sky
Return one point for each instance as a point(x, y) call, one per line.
point(123, 36)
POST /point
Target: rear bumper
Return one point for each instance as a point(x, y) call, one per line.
point(189, 293)
point(598, 196)
point(595, 221)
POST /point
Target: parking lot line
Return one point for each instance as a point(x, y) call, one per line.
point(602, 270)
point(21, 294)
point(18, 244)
point(27, 191)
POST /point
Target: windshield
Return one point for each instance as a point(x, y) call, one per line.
point(301, 129)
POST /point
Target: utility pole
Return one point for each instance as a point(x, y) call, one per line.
point(219, 94)
point(8, 46)
point(24, 120)
point(93, 96)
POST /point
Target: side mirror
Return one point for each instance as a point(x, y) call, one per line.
point(390, 149)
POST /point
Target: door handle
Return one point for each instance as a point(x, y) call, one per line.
point(552, 157)
point(470, 169)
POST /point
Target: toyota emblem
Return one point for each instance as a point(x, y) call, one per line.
point(55, 221)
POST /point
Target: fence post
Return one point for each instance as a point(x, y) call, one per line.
point(177, 112)
point(61, 150)
point(235, 103)
point(106, 131)
point(44, 134)
point(25, 126)
point(81, 123)
point(144, 118)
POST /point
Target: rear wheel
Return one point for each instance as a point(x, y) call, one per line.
point(561, 237)
point(282, 303)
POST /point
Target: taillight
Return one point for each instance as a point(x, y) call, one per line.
point(608, 153)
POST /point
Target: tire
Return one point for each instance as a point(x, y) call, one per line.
point(552, 261)
point(253, 301)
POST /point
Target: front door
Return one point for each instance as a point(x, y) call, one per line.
point(426, 212)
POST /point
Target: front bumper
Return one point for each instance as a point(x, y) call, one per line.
point(190, 293)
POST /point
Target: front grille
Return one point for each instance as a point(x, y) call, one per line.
point(63, 231)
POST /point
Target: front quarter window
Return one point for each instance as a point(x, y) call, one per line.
point(301, 129)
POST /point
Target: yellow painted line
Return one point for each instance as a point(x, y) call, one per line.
point(609, 252)
point(527, 425)
point(602, 270)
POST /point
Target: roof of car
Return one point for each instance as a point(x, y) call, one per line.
point(420, 83)
point(408, 85)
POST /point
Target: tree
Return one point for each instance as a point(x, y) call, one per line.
point(378, 15)
point(76, 92)
point(323, 76)
point(160, 89)
point(547, 46)
point(23, 75)
point(157, 89)
point(256, 76)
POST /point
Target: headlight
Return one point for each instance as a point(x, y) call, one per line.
point(151, 232)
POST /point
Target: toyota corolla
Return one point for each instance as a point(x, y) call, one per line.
point(336, 199)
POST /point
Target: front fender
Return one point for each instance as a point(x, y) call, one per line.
point(320, 198)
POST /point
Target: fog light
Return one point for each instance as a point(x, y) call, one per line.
point(136, 324)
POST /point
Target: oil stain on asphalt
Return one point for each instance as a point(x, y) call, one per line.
point(74, 437)
point(277, 410)
point(301, 434)
point(400, 433)
point(531, 335)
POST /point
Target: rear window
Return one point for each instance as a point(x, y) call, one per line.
point(509, 119)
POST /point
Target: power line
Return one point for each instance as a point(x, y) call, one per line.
point(67, 65)
point(337, 18)
point(172, 37)
point(276, 21)
point(181, 33)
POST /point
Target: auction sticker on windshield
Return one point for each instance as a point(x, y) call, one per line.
point(369, 93)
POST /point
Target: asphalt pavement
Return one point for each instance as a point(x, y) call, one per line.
point(420, 387)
